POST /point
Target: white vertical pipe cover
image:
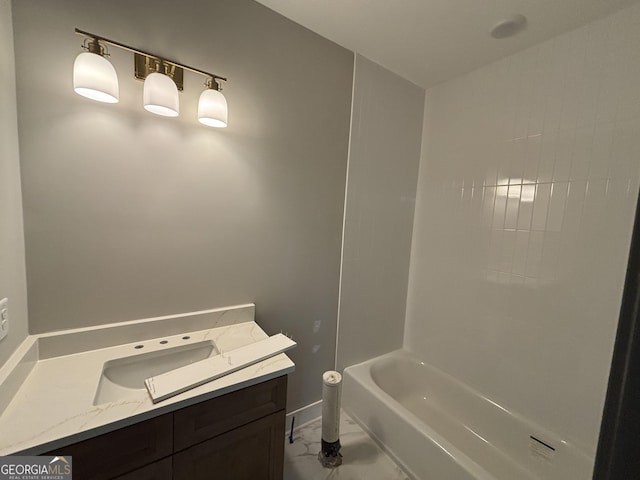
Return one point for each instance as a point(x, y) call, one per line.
point(331, 395)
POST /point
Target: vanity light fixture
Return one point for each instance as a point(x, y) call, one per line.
point(94, 77)
point(212, 106)
point(160, 95)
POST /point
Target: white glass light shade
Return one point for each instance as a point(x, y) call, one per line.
point(212, 108)
point(160, 95)
point(94, 77)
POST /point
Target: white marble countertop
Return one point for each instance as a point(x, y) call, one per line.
point(53, 404)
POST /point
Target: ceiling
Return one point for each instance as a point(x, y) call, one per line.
point(430, 41)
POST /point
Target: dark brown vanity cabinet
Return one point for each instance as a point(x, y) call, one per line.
point(237, 436)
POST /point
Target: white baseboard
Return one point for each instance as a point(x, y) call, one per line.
point(304, 415)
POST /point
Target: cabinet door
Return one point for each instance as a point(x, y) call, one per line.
point(121, 451)
point(161, 470)
point(254, 451)
point(214, 417)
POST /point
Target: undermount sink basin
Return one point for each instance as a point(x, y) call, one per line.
point(123, 377)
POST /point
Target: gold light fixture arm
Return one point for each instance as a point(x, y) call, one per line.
point(159, 59)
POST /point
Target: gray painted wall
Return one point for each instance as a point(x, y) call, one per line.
point(129, 215)
point(383, 170)
point(13, 283)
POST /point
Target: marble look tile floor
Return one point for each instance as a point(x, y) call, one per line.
point(362, 458)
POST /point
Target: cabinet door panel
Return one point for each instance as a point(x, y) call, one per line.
point(121, 451)
point(254, 451)
point(219, 415)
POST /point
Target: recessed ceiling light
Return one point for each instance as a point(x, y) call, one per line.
point(509, 26)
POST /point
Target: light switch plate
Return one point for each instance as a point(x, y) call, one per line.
point(4, 317)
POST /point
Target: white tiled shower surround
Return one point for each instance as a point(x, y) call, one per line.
point(526, 194)
point(378, 216)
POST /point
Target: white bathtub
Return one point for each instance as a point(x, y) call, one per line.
point(438, 428)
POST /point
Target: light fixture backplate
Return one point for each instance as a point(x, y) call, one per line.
point(145, 65)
